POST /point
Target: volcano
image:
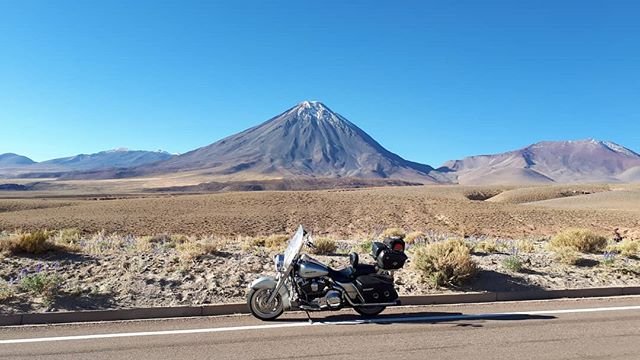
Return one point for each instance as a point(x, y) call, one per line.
point(307, 140)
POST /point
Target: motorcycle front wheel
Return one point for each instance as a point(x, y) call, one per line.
point(369, 311)
point(257, 301)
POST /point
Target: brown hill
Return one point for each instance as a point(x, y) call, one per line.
point(582, 161)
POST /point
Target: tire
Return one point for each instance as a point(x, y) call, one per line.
point(255, 301)
point(369, 311)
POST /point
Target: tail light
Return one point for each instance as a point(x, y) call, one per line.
point(398, 246)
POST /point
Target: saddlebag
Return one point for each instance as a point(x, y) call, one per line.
point(376, 289)
point(389, 255)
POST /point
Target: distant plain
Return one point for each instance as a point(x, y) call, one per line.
point(510, 211)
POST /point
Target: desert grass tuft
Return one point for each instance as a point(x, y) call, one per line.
point(394, 232)
point(6, 292)
point(525, 246)
point(567, 255)
point(581, 240)
point(324, 246)
point(193, 250)
point(445, 263)
point(488, 246)
point(627, 247)
point(276, 241)
point(415, 237)
point(35, 242)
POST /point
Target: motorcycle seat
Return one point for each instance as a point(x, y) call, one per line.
point(351, 272)
point(342, 275)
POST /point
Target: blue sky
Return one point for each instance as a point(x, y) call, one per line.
point(430, 80)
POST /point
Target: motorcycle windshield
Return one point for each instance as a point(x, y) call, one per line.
point(295, 245)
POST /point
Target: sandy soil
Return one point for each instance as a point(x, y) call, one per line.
point(345, 212)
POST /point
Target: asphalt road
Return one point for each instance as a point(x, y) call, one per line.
point(607, 328)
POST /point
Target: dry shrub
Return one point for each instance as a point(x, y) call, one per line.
point(627, 247)
point(144, 243)
point(567, 255)
point(525, 246)
point(445, 263)
point(582, 240)
point(394, 233)
point(488, 246)
point(414, 237)
point(276, 242)
point(257, 241)
point(69, 238)
point(6, 292)
point(30, 243)
point(193, 250)
point(324, 246)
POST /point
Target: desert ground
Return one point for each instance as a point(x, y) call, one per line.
point(496, 211)
point(136, 248)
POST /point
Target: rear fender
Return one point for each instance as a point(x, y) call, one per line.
point(268, 282)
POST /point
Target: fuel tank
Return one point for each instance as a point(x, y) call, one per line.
point(310, 268)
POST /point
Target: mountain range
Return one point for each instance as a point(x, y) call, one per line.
point(17, 165)
point(310, 141)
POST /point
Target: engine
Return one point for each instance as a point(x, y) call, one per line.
point(318, 292)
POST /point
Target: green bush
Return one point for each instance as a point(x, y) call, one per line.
point(365, 246)
point(41, 284)
point(445, 263)
point(512, 263)
point(582, 240)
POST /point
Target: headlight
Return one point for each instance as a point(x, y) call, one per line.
point(279, 262)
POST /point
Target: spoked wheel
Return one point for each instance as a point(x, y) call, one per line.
point(369, 311)
point(257, 301)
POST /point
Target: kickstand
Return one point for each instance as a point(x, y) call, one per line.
point(309, 317)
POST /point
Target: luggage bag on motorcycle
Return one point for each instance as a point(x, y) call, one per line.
point(390, 254)
point(376, 289)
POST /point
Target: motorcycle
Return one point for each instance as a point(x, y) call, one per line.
point(304, 283)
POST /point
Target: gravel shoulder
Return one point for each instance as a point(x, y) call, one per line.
point(125, 277)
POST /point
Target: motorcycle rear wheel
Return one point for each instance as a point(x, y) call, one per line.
point(257, 298)
point(369, 311)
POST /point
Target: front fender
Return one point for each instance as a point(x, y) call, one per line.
point(268, 282)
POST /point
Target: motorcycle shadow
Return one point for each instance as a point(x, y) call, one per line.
point(426, 317)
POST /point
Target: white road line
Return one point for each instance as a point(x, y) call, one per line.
point(398, 319)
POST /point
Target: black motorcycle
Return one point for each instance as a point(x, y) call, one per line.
point(303, 283)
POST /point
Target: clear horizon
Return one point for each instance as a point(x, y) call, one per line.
point(429, 81)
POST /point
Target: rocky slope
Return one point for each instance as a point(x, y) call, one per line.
point(548, 162)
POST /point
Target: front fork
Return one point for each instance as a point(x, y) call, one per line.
point(276, 289)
